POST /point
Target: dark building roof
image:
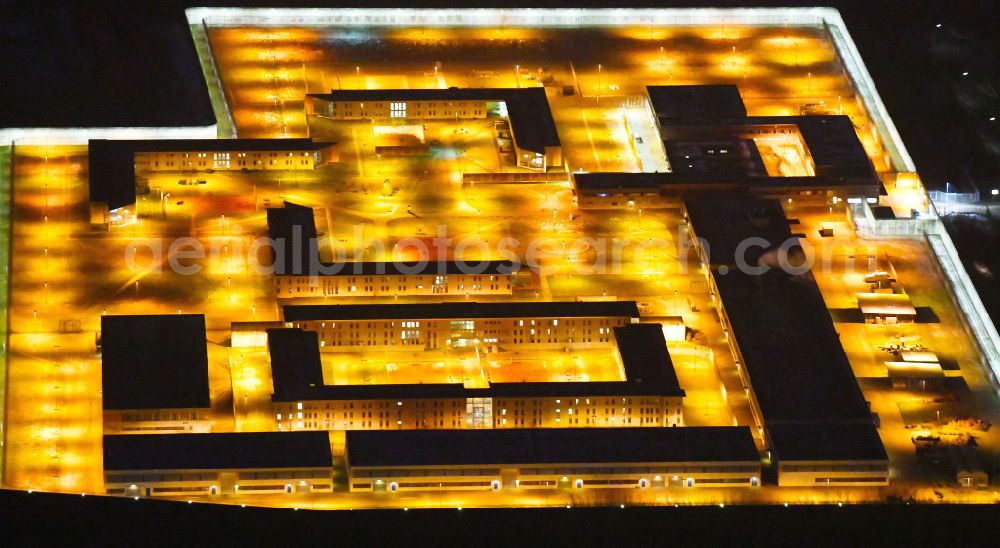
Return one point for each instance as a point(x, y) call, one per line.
point(111, 163)
point(461, 310)
point(726, 222)
point(833, 441)
point(550, 446)
point(710, 114)
point(298, 374)
point(601, 183)
point(154, 362)
point(797, 366)
point(582, 389)
point(606, 180)
point(834, 146)
point(293, 230)
point(884, 213)
point(649, 371)
point(706, 102)
point(831, 141)
point(229, 451)
point(734, 159)
point(798, 369)
point(295, 361)
point(527, 108)
point(689, 181)
point(644, 355)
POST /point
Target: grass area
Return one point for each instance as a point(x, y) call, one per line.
point(220, 107)
point(6, 179)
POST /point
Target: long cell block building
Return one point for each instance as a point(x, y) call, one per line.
point(546, 459)
point(489, 327)
point(806, 402)
point(649, 394)
point(299, 272)
point(154, 374)
point(533, 130)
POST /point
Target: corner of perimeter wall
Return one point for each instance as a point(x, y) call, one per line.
point(974, 314)
point(216, 92)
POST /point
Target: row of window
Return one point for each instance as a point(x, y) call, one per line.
point(334, 288)
point(402, 113)
point(352, 425)
point(573, 421)
point(834, 468)
point(662, 470)
point(297, 474)
point(144, 416)
point(157, 478)
point(501, 404)
point(224, 164)
point(438, 279)
point(220, 155)
point(402, 109)
point(423, 472)
point(665, 470)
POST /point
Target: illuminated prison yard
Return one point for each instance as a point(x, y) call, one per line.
point(604, 348)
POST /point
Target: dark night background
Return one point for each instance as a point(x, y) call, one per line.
point(132, 63)
point(70, 520)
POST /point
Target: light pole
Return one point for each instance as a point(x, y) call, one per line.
point(284, 123)
point(599, 70)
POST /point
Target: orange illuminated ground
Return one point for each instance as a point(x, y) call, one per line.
point(65, 274)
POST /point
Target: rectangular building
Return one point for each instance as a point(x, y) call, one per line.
point(407, 279)
point(886, 308)
point(154, 374)
point(828, 455)
point(611, 190)
point(802, 390)
point(300, 274)
point(114, 165)
point(828, 144)
point(164, 465)
point(699, 102)
point(489, 327)
point(649, 395)
point(536, 141)
point(552, 459)
point(909, 375)
point(712, 144)
point(239, 155)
